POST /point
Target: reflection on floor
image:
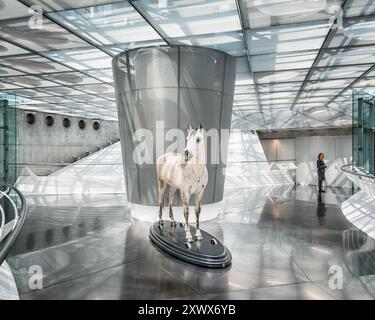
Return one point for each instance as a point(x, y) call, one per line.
point(283, 241)
point(360, 211)
point(8, 287)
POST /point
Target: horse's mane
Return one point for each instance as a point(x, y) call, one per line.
point(190, 133)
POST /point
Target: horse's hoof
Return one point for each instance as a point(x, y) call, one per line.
point(189, 239)
point(198, 237)
point(173, 223)
point(161, 222)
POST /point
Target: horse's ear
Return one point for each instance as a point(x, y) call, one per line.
point(188, 127)
point(200, 126)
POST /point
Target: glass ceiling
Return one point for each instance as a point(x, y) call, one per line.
point(297, 60)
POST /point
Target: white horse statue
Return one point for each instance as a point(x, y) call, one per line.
point(188, 173)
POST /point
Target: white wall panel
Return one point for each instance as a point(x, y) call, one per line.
point(286, 149)
point(279, 149)
point(269, 149)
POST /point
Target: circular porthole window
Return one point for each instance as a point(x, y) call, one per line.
point(81, 124)
point(96, 125)
point(30, 118)
point(50, 121)
point(66, 122)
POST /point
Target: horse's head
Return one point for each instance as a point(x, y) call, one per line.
point(194, 143)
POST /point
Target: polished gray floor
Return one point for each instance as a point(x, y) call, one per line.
point(283, 241)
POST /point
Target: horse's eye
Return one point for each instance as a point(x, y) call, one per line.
point(198, 140)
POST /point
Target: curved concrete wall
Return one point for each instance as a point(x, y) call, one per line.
point(42, 149)
point(177, 85)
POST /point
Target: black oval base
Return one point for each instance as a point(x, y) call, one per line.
point(209, 252)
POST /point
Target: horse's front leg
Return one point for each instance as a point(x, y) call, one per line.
point(161, 188)
point(185, 201)
point(172, 191)
point(198, 204)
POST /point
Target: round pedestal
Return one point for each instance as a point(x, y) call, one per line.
point(208, 252)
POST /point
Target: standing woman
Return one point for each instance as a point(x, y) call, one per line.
point(320, 164)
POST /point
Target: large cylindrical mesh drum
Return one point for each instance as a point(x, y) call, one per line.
point(160, 89)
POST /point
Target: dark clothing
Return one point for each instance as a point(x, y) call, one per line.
point(321, 169)
point(320, 182)
point(321, 172)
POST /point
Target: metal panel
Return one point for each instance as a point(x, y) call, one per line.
point(153, 105)
point(202, 68)
point(154, 67)
point(200, 106)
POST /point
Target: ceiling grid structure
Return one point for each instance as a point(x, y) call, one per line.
point(330, 35)
point(297, 60)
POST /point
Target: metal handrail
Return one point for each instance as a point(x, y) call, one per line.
point(367, 175)
point(5, 191)
point(12, 237)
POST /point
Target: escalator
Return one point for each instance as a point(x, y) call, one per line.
point(12, 217)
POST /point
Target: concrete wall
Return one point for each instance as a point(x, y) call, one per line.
point(39, 144)
point(304, 132)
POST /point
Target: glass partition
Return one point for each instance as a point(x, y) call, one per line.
point(8, 138)
point(364, 130)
